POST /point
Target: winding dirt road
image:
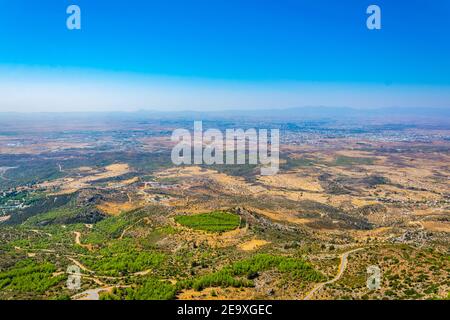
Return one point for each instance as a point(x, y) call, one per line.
point(77, 238)
point(342, 267)
point(78, 241)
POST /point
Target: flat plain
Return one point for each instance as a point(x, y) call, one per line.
point(105, 197)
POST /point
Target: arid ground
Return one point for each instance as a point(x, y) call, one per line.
point(107, 199)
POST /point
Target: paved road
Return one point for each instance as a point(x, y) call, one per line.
point(342, 267)
point(92, 294)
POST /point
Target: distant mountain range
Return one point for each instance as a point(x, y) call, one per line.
point(399, 114)
point(307, 113)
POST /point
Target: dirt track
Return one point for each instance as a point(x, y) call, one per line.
point(342, 267)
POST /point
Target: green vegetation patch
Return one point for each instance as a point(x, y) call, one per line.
point(292, 163)
point(246, 171)
point(150, 289)
point(351, 161)
point(242, 273)
point(28, 276)
point(223, 278)
point(239, 274)
point(216, 221)
point(297, 267)
point(121, 258)
point(58, 215)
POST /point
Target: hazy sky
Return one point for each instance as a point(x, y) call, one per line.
point(222, 54)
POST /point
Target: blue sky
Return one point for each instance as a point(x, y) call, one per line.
point(215, 54)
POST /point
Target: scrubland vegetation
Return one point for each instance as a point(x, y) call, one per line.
point(185, 230)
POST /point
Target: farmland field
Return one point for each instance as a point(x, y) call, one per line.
point(213, 221)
